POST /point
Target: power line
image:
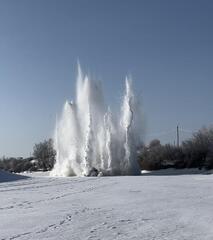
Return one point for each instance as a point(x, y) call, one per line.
point(175, 132)
point(181, 130)
point(161, 133)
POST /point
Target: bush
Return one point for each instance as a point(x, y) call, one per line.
point(151, 156)
point(158, 156)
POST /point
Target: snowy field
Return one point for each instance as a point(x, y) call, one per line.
point(164, 207)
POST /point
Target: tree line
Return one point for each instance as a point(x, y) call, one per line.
point(43, 159)
point(196, 152)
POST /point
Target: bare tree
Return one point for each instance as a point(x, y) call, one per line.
point(45, 154)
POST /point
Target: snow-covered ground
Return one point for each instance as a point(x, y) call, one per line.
point(143, 207)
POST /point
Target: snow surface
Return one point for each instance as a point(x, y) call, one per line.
point(174, 171)
point(146, 207)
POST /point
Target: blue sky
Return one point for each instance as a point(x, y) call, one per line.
point(167, 47)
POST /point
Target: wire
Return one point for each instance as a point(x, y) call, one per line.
point(161, 133)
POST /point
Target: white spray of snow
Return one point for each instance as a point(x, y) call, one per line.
point(89, 136)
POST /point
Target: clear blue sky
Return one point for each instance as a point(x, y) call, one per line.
point(167, 46)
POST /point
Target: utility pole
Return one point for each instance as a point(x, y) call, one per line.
point(177, 136)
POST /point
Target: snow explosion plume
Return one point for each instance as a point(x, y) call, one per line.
point(88, 136)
